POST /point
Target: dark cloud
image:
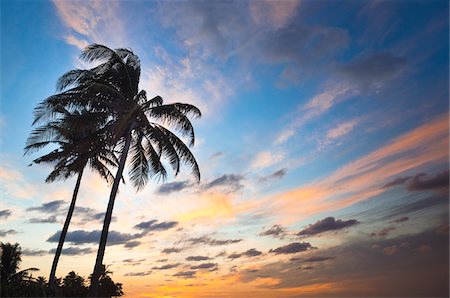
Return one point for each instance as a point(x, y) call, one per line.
point(401, 219)
point(211, 241)
point(230, 181)
point(249, 253)
point(197, 258)
point(252, 253)
point(325, 225)
point(131, 244)
point(383, 232)
point(161, 260)
point(168, 188)
point(204, 266)
point(4, 214)
point(397, 181)
point(133, 262)
point(275, 175)
point(142, 273)
point(393, 264)
point(50, 219)
point(50, 207)
point(422, 182)
point(317, 259)
point(34, 252)
point(276, 231)
point(171, 250)
point(153, 225)
point(234, 255)
point(185, 274)
point(373, 70)
point(84, 237)
point(73, 251)
point(4, 233)
point(292, 248)
point(167, 266)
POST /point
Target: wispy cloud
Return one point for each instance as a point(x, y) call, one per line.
point(362, 179)
point(96, 21)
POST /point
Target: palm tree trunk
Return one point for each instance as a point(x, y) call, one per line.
point(62, 237)
point(93, 291)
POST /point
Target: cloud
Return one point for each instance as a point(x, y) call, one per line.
point(275, 175)
point(4, 214)
point(249, 253)
point(292, 248)
point(230, 181)
point(131, 244)
point(197, 258)
point(266, 159)
point(422, 182)
point(419, 183)
point(317, 259)
point(383, 279)
point(359, 180)
point(153, 225)
point(325, 225)
point(96, 21)
point(79, 43)
point(273, 13)
point(50, 219)
point(216, 155)
point(167, 266)
point(204, 266)
point(211, 241)
point(276, 231)
point(383, 232)
point(50, 207)
point(341, 130)
point(185, 274)
point(168, 188)
point(317, 106)
point(373, 70)
point(420, 204)
point(133, 262)
point(401, 219)
point(142, 273)
point(84, 237)
point(34, 252)
point(4, 233)
point(171, 250)
point(73, 251)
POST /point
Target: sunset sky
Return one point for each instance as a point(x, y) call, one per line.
point(323, 147)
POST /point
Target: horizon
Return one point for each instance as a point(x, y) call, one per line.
point(323, 147)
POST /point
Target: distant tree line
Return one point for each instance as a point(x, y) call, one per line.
point(21, 283)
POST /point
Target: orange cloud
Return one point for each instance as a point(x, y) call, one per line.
point(362, 179)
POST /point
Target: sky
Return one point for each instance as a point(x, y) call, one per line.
point(323, 147)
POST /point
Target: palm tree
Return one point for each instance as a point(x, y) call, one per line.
point(81, 142)
point(11, 280)
point(137, 125)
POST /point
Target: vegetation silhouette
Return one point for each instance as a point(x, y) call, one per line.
point(133, 123)
point(22, 284)
point(81, 142)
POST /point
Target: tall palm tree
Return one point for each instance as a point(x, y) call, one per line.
point(136, 124)
point(81, 142)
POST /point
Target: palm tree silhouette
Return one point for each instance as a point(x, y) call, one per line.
point(81, 142)
point(135, 124)
point(10, 278)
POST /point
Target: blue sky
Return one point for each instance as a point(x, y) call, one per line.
point(327, 117)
